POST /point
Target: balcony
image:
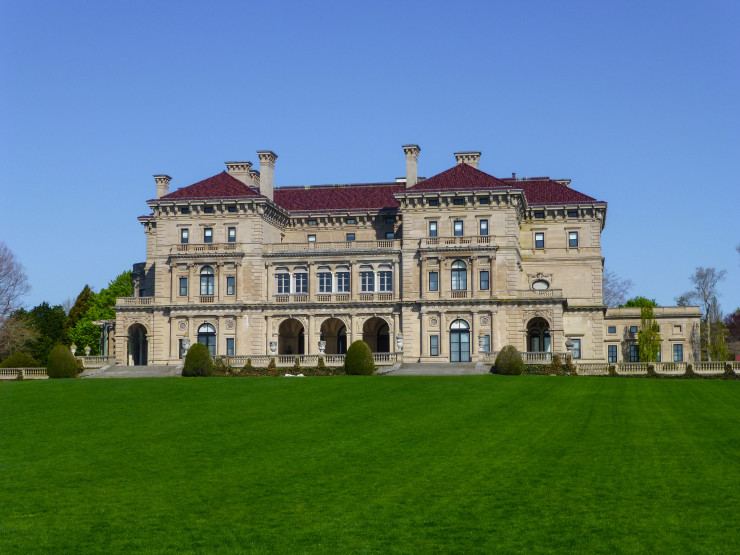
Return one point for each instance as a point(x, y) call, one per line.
point(199, 248)
point(333, 297)
point(134, 301)
point(458, 243)
point(385, 245)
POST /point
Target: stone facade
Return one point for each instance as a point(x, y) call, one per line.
point(436, 269)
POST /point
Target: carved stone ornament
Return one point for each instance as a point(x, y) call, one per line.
point(183, 325)
point(229, 324)
point(484, 320)
point(433, 322)
point(530, 314)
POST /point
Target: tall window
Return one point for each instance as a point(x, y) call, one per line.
point(432, 229)
point(367, 281)
point(301, 283)
point(207, 336)
point(433, 281)
point(459, 276)
point(324, 282)
point(576, 348)
point(634, 353)
point(283, 284)
point(183, 287)
point(434, 345)
point(572, 238)
point(232, 234)
point(612, 351)
point(230, 285)
point(539, 240)
point(484, 227)
point(487, 341)
point(342, 282)
point(229, 346)
point(678, 353)
point(457, 227)
point(484, 280)
point(184, 234)
point(182, 349)
point(208, 235)
point(207, 281)
point(386, 280)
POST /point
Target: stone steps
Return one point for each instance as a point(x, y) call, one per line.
point(135, 372)
point(440, 369)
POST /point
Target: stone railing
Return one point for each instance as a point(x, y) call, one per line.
point(333, 246)
point(134, 301)
point(535, 294)
point(261, 361)
point(456, 242)
point(26, 373)
point(204, 247)
point(96, 361)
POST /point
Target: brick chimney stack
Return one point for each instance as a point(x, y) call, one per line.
point(412, 160)
point(267, 172)
point(163, 184)
point(240, 170)
point(469, 158)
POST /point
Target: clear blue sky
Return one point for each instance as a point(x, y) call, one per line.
point(637, 102)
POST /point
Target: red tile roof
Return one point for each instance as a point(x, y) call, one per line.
point(365, 196)
point(221, 185)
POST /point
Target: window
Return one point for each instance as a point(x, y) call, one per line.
point(459, 276)
point(457, 228)
point(324, 282)
point(434, 345)
point(232, 234)
point(433, 202)
point(208, 235)
point(677, 328)
point(312, 222)
point(483, 227)
point(390, 219)
point(229, 346)
point(207, 281)
point(539, 240)
point(657, 359)
point(612, 351)
point(142, 292)
point(539, 215)
point(572, 239)
point(576, 348)
point(633, 329)
point(207, 336)
point(433, 281)
point(351, 221)
point(484, 200)
point(540, 285)
point(184, 210)
point(183, 287)
point(432, 229)
point(367, 281)
point(208, 210)
point(390, 235)
point(312, 238)
point(572, 213)
point(283, 284)
point(611, 329)
point(350, 237)
point(386, 280)
point(184, 234)
point(458, 201)
point(231, 209)
point(634, 353)
point(678, 353)
point(181, 348)
point(486, 343)
point(301, 283)
point(484, 280)
point(342, 282)
point(230, 285)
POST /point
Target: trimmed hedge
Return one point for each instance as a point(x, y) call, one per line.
point(359, 359)
point(198, 361)
point(62, 363)
point(20, 360)
point(509, 362)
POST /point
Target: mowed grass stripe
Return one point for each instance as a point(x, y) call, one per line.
point(351, 464)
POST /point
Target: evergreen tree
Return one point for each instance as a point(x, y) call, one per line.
point(648, 338)
point(48, 323)
point(78, 311)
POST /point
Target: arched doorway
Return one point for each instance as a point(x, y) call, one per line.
point(138, 345)
point(291, 338)
point(334, 332)
point(207, 336)
point(538, 336)
point(459, 341)
point(376, 334)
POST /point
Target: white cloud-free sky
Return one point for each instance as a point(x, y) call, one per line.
point(636, 102)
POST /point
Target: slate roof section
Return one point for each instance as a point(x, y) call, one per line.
point(332, 198)
point(221, 185)
point(460, 177)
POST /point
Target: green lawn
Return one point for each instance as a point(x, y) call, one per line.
point(370, 464)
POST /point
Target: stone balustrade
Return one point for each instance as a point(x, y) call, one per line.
point(261, 361)
point(26, 373)
point(188, 248)
point(457, 242)
point(334, 246)
point(134, 301)
point(96, 361)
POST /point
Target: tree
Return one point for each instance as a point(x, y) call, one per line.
point(13, 282)
point(640, 302)
point(614, 288)
point(732, 323)
point(705, 282)
point(648, 338)
point(77, 312)
point(48, 323)
point(16, 335)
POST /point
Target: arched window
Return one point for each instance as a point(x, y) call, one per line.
point(459, 341)
point(207, 281)
point(207, 336)
point(459, 276)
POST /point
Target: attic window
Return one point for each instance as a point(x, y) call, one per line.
point(458, 201)
point(390, 219)
point(312, 222)
point(540, 285)
point(232, 209)
point(539, 215)
point(433, 202)
point(184, 210)
point(352, 221)
point(484, 200)
point(572, 213)
point(208, 210)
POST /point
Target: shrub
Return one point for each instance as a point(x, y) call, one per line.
point(570, 367)
point(20, 360)
point(62, 363)
point(198, 361)
point(555, 368)
point(359, 359)
point(729, 373)
point(509, 362)
point(690, 372)
point(248, 366)
point(272, 365)
point(297, 364)
point(320, 364)
point(220, 368)
point(651, 373)
point(613, 371)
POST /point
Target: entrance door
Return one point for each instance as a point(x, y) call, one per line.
point(459, 341)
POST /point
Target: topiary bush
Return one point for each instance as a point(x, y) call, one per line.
point(651, 373)
point(198, 361)
point(20, 360)
point(729, 373)
point(359, 359)
point(555, 368)
point(613, 371)
point(509, 362)
point(297, 364)
point(689, 373)
point(570, 367)
point(321, 364)
point(62, 363)
point(271, 365)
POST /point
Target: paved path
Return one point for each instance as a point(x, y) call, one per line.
point(441, 369)
point(135, 372)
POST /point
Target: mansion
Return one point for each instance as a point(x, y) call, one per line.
point(447, 268)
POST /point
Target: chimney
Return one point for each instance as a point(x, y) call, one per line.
point(240, 170)
point(267, 171)
point(469, 158)
point(412, 159)
point(163, 184)
point(254, 179)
